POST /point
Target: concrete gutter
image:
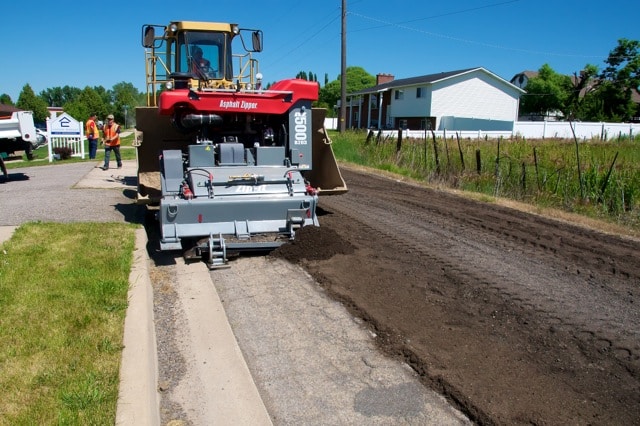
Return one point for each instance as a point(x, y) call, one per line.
point(138, 398)
point(218, 387)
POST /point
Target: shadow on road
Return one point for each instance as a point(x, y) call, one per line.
point(13, 177)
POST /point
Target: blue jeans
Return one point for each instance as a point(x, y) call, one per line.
point(107, 154)
point(93, 148)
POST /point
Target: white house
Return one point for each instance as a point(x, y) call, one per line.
point(470, 99)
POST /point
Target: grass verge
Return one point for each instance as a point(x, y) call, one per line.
point(63, 298)
point(594, 179)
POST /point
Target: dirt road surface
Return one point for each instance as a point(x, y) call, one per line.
point(515, 318)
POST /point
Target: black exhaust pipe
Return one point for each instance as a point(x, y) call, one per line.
point(188, 122)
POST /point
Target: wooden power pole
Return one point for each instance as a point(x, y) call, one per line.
point(342, 122)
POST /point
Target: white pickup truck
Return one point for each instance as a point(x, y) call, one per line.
point(18, 133)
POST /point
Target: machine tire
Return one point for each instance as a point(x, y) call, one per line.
point(5, 174)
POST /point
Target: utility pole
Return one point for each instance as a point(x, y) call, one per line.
point(343, 71)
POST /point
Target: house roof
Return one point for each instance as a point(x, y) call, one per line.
point(519, 78)
point(423, 79)
point(8, 109)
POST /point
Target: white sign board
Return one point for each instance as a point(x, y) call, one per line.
point(64, 124)
point(65, 132)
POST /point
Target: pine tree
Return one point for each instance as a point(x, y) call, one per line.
point(28, 101)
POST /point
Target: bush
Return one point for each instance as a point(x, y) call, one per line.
point(64, 152)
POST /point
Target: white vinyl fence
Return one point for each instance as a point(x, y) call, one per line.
point(529, 130)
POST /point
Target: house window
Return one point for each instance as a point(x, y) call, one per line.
point(399, 95)
point(420, 92)
point(403, 124)
point(374, 101)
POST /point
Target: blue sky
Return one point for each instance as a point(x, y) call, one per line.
point(91, 43)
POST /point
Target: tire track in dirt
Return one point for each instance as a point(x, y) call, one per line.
point(470, 260)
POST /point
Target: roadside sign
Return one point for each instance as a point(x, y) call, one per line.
point(64, 124)
point(64, 131)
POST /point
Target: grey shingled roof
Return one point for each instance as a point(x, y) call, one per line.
point(423, 79)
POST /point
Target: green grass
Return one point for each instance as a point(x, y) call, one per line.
point(543, 173)
point(63, 298)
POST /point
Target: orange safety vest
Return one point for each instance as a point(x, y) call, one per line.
point(92, 129)
point(111, 131)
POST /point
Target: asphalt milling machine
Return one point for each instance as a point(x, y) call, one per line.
point(227, 165)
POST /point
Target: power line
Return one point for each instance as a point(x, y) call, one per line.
point(308, 39)
point(478, 43)
point(441, 15)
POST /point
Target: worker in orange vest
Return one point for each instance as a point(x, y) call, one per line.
point(111, 142)
point(93, 135)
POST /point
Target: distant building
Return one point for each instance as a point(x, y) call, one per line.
point(469, 99)
point(521, 79)
point(54, 112)
point(10, 109)
point(7, 110)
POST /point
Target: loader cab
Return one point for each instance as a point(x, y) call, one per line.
point(205, 55)
point(172, 56)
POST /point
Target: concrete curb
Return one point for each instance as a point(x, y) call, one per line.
point(138, 398)
point(6, 232)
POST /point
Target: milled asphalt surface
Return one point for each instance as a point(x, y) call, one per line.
point(308, 361)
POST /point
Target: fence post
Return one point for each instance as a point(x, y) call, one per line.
point(49, 141)
point(81, 137)
point(497, 171)
point(435, 152)
point(369, 137)
point(460, 151)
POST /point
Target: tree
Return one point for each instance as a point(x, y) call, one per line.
point(28, 101)
point(58, 96)
point(5, 99)
point(582, 99)
point(87, 102)
point(619, 79)
point(357, 79)
point(547, 92)
point(105, 95)
point(607, 95)
point(125, 99)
